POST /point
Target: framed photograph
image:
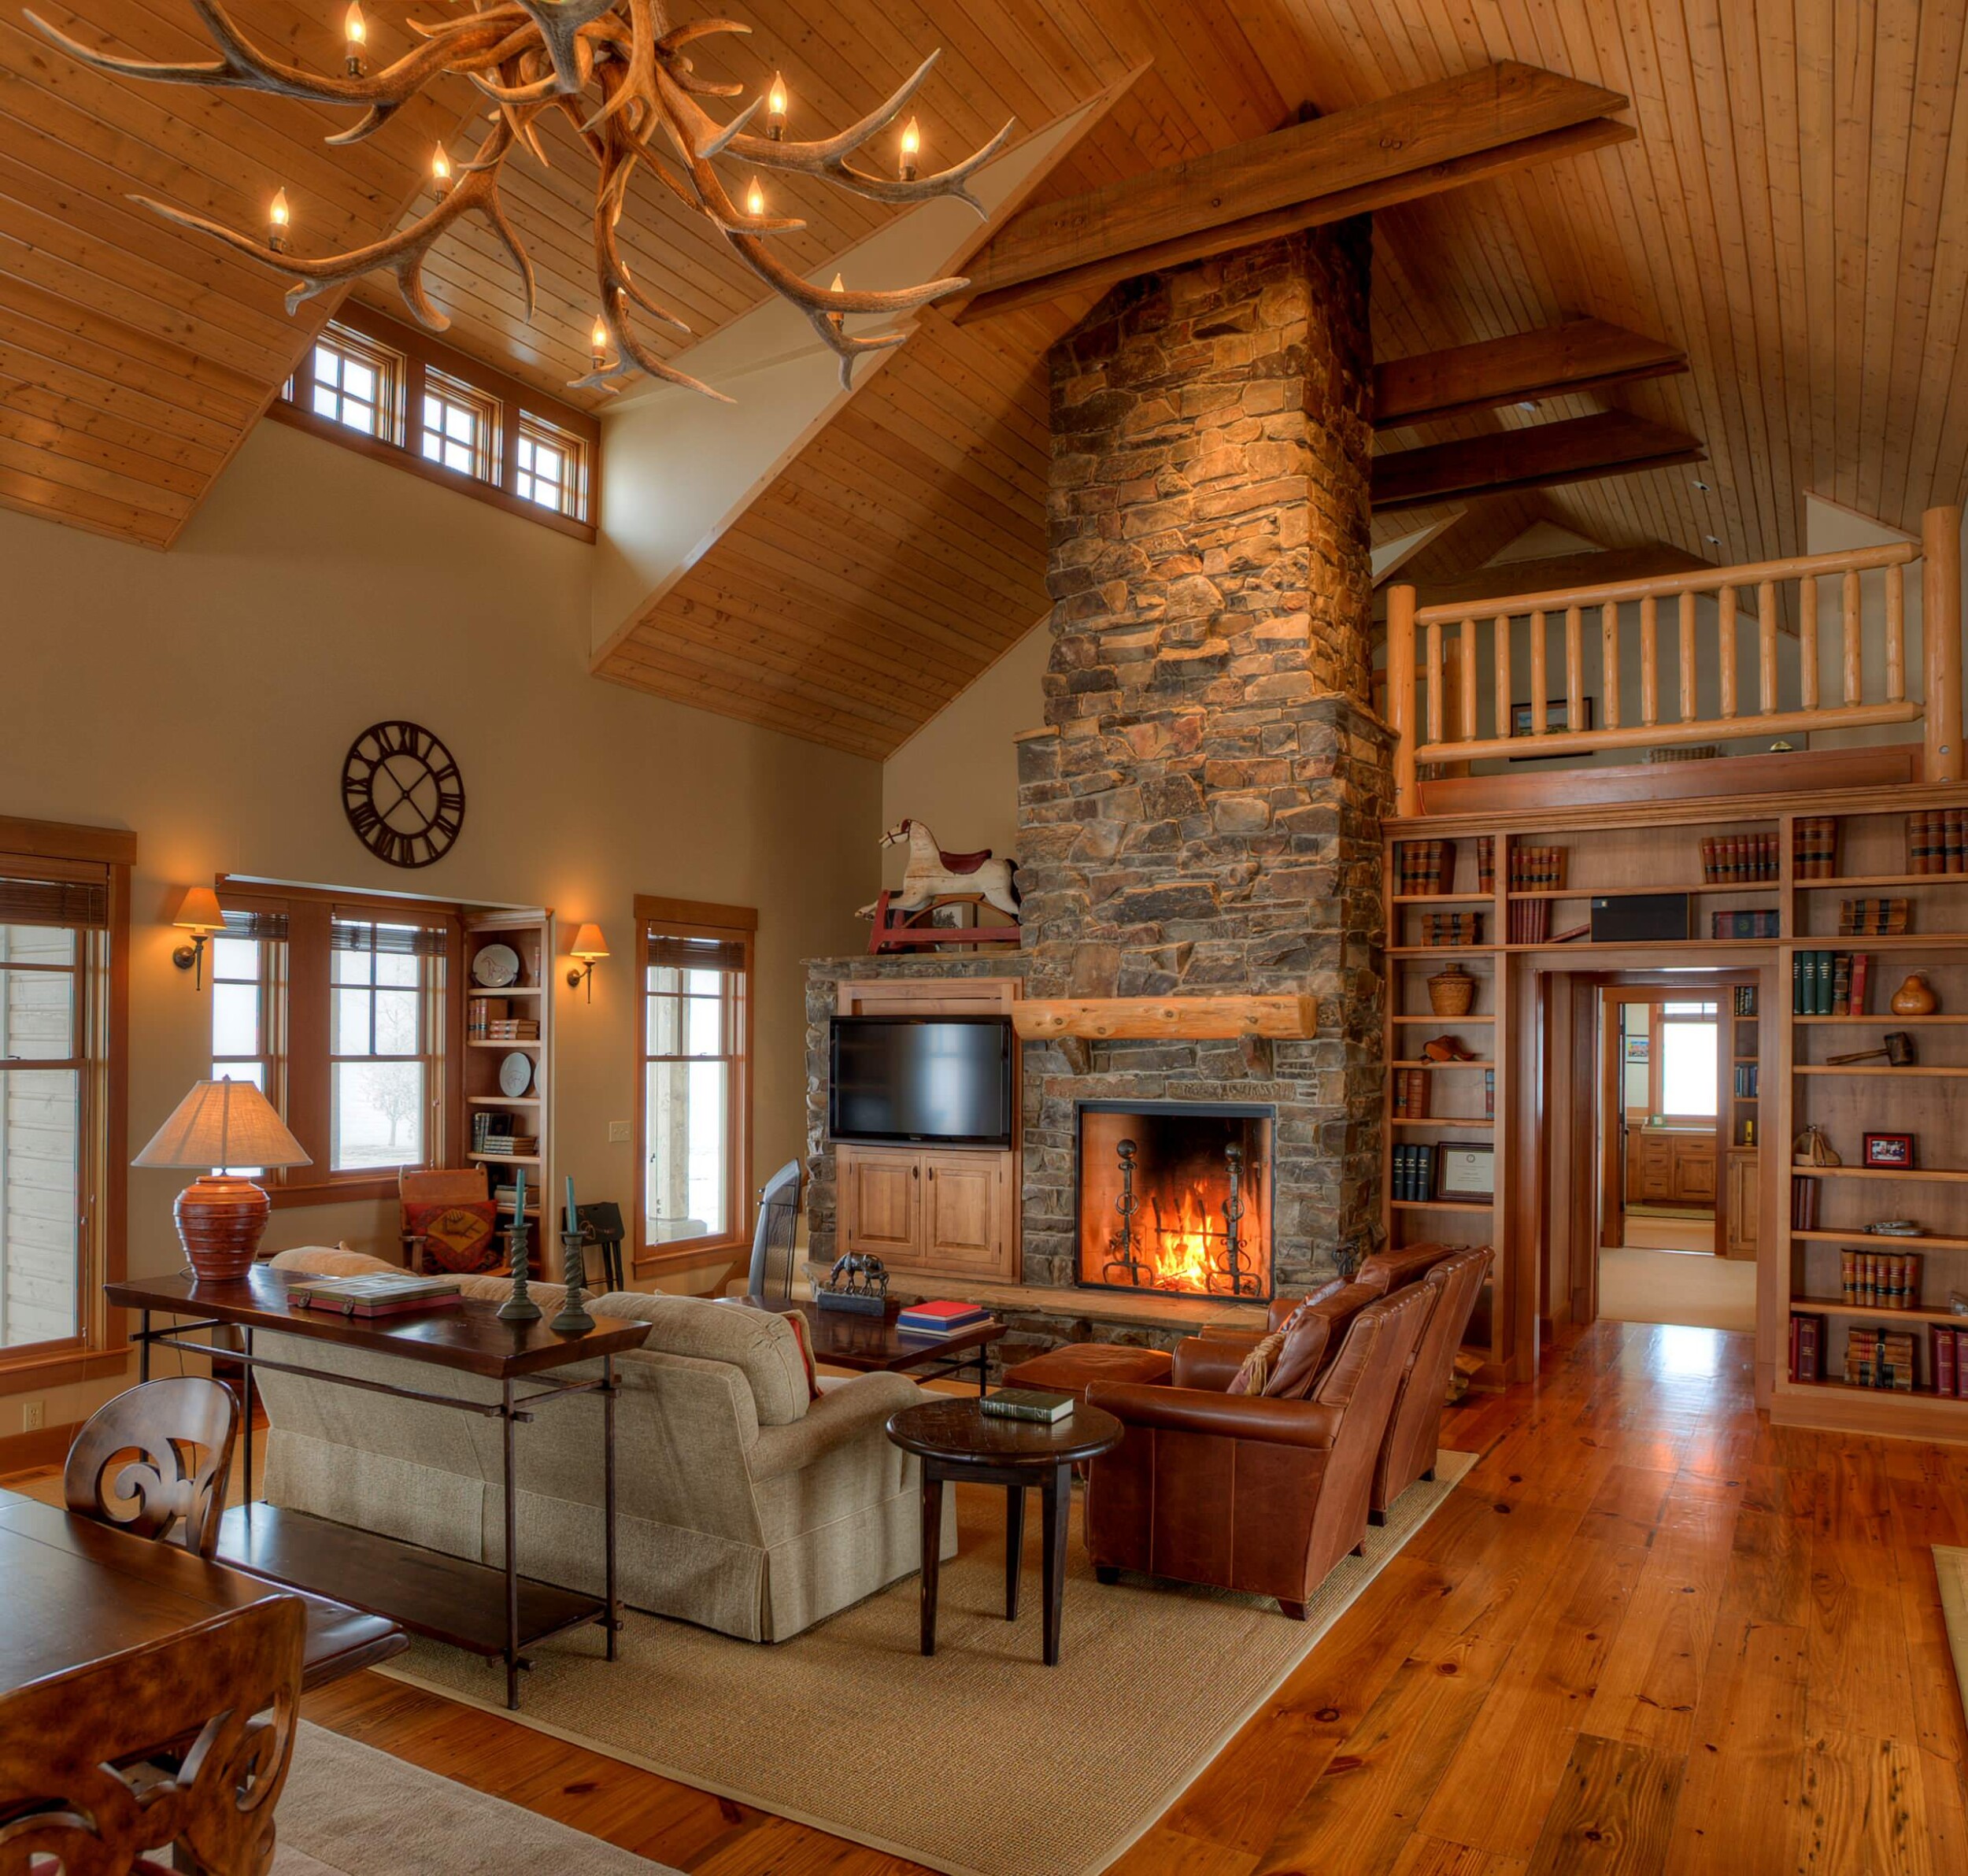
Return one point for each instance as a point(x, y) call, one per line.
point(1892, 1150)
point(1557, 716)
point(1465, 1170)
point(1636, 1048)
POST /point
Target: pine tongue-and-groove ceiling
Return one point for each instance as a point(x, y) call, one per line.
point(1794, 214)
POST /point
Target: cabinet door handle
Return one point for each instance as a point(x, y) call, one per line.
point(932, 1172)
point(915, 1172)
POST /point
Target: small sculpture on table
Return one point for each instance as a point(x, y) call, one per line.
point(907, 919)
point(857, 1285)
point(574, 1318)
point(519, 1307)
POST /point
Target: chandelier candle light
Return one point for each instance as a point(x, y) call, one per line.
point(620, 71)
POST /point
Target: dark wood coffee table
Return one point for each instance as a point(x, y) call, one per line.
point(957, 1440)
point(490, 1611)
point(872, 1345)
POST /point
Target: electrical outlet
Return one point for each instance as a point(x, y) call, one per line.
point(34, 1415)
point(618, 1132)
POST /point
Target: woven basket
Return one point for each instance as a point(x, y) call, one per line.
point(1452, 992)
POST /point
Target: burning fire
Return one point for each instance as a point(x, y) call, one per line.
point(1178, 1254)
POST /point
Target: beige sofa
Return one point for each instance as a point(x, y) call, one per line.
point(740, 1503)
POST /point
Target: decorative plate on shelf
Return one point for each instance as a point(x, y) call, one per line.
point(516, 1074)
point(496, 966)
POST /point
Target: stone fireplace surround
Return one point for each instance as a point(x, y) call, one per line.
point(1200, 814)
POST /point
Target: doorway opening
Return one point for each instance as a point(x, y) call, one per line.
point(1664, 1113)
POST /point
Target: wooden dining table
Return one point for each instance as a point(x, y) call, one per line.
point(77, 1590)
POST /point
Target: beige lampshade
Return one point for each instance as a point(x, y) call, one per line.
point(589, 942)
point(198, 910)
point(224, 1123)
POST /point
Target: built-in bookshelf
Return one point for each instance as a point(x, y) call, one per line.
point(509, 1024)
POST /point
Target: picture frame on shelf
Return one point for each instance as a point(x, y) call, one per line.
point(1889, 1151)
point(1465, 1170)
point(1557, 717)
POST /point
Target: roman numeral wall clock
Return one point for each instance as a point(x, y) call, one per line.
point(403, 794)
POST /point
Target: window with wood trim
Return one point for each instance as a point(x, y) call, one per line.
point(357, 382)
point(693, 1093)
point(461, 426)
point(1687, 1083)
point(390, 392)
point(341, 1010)
point(61, 1092)
point(550, 468)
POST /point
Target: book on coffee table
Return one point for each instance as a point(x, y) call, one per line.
point(1028, 1404)
point(941, 1319)
point(385, 1293)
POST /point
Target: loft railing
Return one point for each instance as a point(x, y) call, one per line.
point(1434, 679)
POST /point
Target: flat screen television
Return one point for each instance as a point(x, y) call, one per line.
point(920, 1080)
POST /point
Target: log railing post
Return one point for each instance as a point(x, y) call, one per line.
point(1537, 674)
point(1465, 690)
point(1766, 646)
point(1851, 612)
point(1725, 644)
point(1649, 657)
point(1500, 729)
point(1940, 634)
point(1807, 644)
point(1400, 696)
point(1435, 682)
point(1895, 634)
point(1609, 660)
point(1574, 672)
point(1687, 656)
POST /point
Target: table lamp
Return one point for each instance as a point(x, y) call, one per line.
point(222, 1216)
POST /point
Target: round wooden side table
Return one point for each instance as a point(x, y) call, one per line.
point(956, 1439)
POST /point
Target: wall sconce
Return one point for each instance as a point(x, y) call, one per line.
point(197, 913)
point(590, 947)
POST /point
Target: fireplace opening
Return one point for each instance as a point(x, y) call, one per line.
point(1175, 1196)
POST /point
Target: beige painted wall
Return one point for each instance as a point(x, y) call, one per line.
point(205, 698)
point(959, 772)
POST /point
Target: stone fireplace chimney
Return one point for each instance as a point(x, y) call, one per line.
point(1201, 813)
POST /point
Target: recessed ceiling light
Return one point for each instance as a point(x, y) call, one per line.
point(1527, 404)
point(1702, 486)
point(1714, 540)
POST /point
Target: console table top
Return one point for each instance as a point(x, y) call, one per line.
point(466, 1336)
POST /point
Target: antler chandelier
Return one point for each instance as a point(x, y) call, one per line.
point(618, 70)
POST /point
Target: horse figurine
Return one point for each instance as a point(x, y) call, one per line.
point(933, 874)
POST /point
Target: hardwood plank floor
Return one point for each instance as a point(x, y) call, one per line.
point(1648, 1634)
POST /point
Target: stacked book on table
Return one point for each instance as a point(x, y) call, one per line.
point(942, 1321)
point(1028, 1404)
point(388, 1293)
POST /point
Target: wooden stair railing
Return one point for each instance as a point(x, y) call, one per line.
point(1432, 665)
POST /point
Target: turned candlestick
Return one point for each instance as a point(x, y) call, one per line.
point(574, 1318)
point(519, 1307)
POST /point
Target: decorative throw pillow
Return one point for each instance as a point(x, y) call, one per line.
point(1330, 1288)
point(798, 1324)
point(457, 1238)
point(1250, 1379)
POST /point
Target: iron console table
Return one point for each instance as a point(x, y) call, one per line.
point(473, 1606)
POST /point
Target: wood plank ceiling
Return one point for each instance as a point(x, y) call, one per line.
point(1794, 214)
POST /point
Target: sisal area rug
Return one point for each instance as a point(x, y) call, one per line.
point(979, 1761)
point(350, 1811)
point(1951, 1566)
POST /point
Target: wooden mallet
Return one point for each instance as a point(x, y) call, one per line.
point(1897, 1046)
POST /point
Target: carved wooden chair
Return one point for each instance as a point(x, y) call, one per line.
point(227, 1690)
point(156, 1461)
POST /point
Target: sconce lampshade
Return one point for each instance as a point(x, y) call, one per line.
point(198, 910)
point(222, 1217)
point(588, 943)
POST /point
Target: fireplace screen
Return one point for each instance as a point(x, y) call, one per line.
point(1176, 1196)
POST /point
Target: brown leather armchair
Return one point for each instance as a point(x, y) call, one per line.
point(1413, 1431)
point(1248, 1493)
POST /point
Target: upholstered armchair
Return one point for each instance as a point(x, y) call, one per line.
point(1246, 1492)
point(1413, 1431)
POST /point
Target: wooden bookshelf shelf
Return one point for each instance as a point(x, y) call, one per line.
point(1445, 1022)
point(506, 1158)
point(530, 936)
point(502, 1101)
point(1443, 950)
point(1916, 1068)
point(1441, 1064)
point(1888, 1021)
point(1838, 1306)
point(1877, 1393)
point(478, 1042)
point(1444, 1120)
point(1676, 947)
point(1644, 892)
point(1870, 1241)
point(1443, 899)
point(1439, 1204)
point(1819, 886)
point(1936, 1176)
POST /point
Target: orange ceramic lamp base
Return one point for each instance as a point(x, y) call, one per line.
point(221, 1219)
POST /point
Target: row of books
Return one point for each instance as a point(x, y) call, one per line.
point(1529, 921)
point(1879, 1358)
point(1537, 869)
point(1937, 840)
point(1804, 1204)
point(1485, 863)
point(1807, 1346)
point(1950, 1352)
point(1742, 924)
point(1814, 846)
point(1880, 1279)
point(1730, 859)
point(513, 1029)
point(1745, 1000)
point(1872, 918)
point(941, 1320)
point(1748, 1078)
point(1828, 983)
point(481, 1013)
point(1452, 928)
point(1410, 1094)
point(1414, 1172)
point(493, 1132)
point(1424, 866)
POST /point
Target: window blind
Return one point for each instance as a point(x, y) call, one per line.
point(270, 927)
point(667, 951)
point(79, 903)
point(405, 937)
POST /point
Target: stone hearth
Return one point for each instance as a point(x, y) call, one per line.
point(1200, 814)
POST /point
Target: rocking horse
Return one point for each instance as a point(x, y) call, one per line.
point(933, 880)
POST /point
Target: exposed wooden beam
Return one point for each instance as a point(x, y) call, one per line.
point(1582, 354)
point(1552, 574)
point(1417, 142)
point(1614, 442)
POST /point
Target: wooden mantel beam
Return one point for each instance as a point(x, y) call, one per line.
point(1614, 442)
point(1581, 354)
point(1438, 136)
point(1137, 1019)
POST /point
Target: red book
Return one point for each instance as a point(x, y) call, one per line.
point(940, 1318)
point(1945, 1370)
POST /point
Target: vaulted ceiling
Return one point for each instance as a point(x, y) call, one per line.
point(1793, 214)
